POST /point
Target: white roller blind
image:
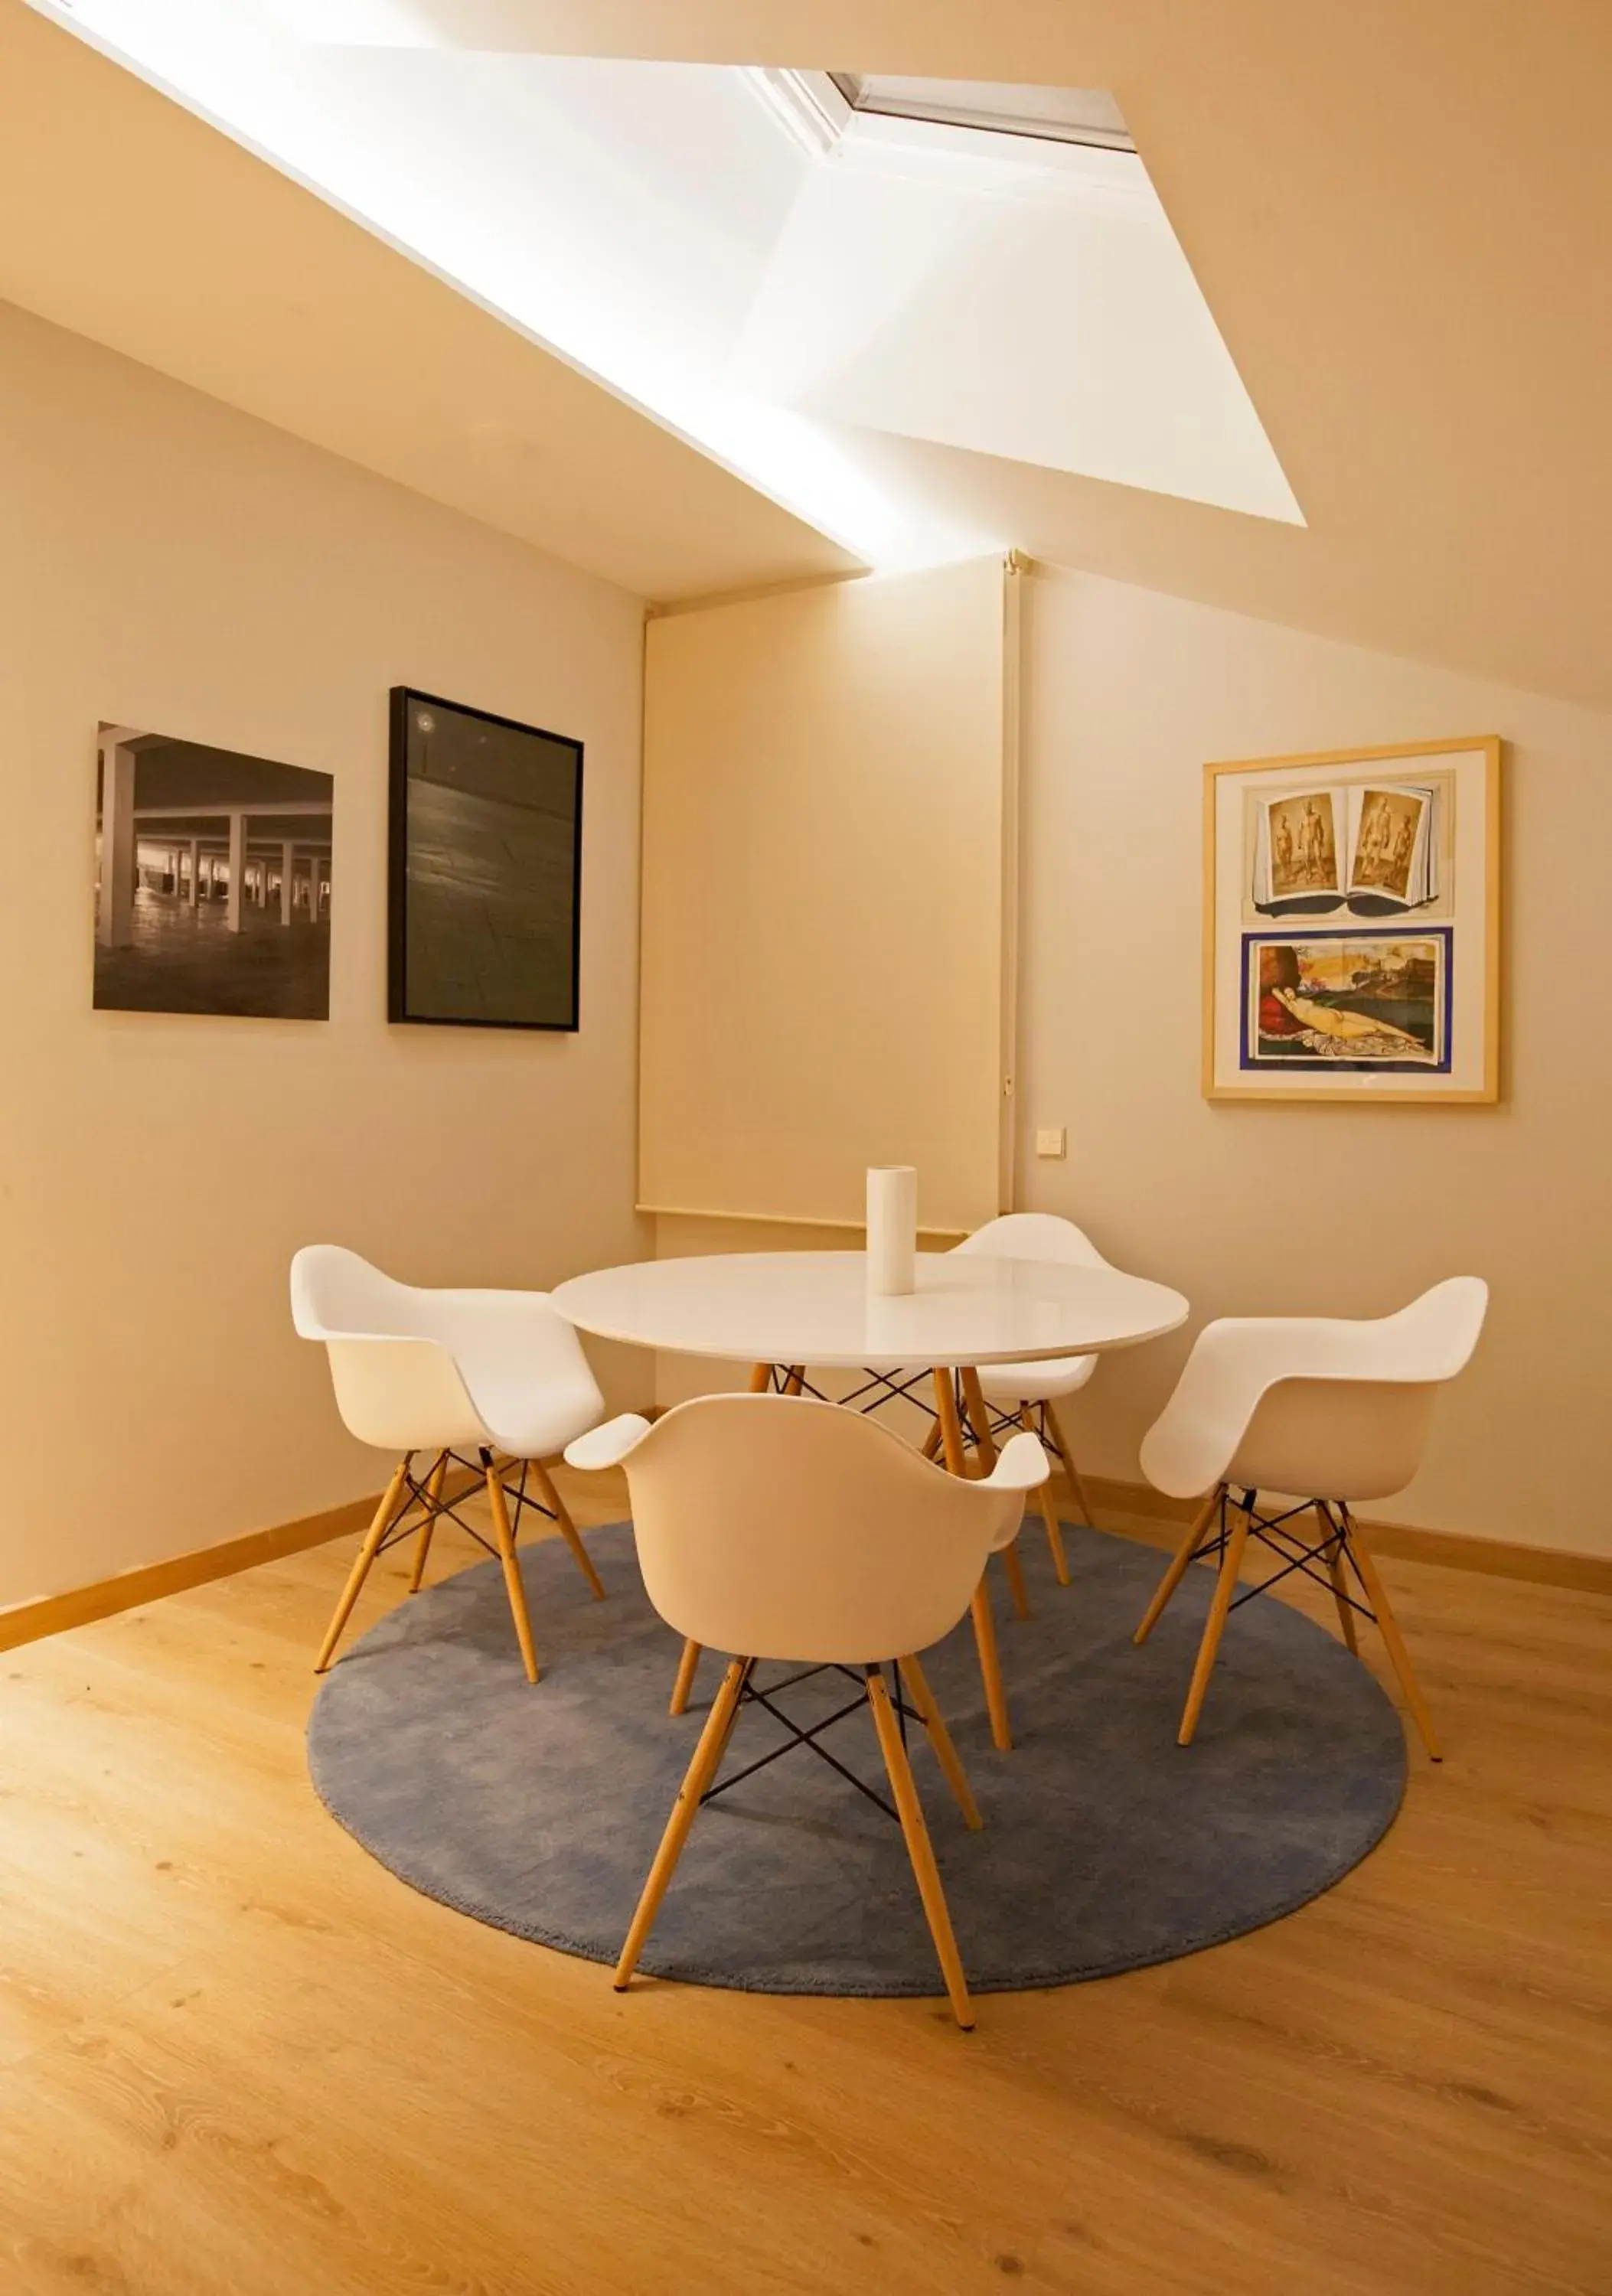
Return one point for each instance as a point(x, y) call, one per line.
point(828, 851)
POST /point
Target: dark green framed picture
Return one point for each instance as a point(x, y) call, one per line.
point(486, 869)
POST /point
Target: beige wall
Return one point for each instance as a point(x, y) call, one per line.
point(1299, 1210)
point(823, 802)
point(168, 562)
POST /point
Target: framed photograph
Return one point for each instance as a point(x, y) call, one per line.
point(212, 879)
point(486, 868)
point(1352, 925)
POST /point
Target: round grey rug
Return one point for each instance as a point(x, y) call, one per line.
point(1106, 1846)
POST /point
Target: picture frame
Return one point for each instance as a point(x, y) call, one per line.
point(484, 869)
point(1352, 925)
point(214, 879)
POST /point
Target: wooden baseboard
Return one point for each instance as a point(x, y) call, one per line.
point(1455, 1550)
point(80, 1606)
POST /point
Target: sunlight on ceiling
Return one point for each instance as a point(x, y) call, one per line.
point(777, 269)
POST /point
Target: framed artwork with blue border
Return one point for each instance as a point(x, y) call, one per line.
point(1352, 925)
point(1375, 1003)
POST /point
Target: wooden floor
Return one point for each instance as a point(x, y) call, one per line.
point(241, 2060)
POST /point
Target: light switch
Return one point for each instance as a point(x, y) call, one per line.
point(1049, 1142)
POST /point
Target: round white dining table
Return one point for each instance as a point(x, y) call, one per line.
point(813, 1308)
point(786, 1313)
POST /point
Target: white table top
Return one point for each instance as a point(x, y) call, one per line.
point(812, 1308)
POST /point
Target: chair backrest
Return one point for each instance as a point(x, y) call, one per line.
point(1313, 1405)
point(336, 1293)
point(1034, 1235)
point(397, 1385)
point(776, 1527)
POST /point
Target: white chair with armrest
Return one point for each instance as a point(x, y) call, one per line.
point(1028, 1393)
point(480, 1380)
point(1334, 1411)
point(774, 1527)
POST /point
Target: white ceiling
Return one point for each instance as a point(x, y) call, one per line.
point(1399, 216)
point(127, 219)
point(660, 225)
point(1011, 296)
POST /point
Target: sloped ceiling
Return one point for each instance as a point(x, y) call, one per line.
point(1400, 212)
point(1402, 217)
point(127, 219)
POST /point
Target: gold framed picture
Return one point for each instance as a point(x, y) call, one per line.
point(1352, 925)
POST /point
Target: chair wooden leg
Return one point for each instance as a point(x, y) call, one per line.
point(761, 1378)
point(505, 1539)
point(1048, 1506)
point(1177, 1571)
point(707, 1754)
point(925, 1872)
point(1061, 1444)
point(932, 1441)
point(1079, 1488)
point(1225, 1586)
point(1376, 1594)
point(1340, 1585)
point(1014, 1569)
point(796, 1379)
point(569, 1532)
point(940, 1740)
point(991, 1669)
point(688, 1666)
point(433, 1500)
point(384, 1516)
point(984, 1625)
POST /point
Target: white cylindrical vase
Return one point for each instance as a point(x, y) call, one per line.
point(892, 1228)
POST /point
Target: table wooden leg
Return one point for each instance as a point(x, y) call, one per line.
point(951, 1428)
point(984, 1625)
point(979, 1418)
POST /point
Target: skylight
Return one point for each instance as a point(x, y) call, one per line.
point(801, 272)
point(817, 107)
point(1062, 115)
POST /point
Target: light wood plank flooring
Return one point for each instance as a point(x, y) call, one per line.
point(238, 2059)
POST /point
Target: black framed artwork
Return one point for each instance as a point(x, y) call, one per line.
point(486, 868)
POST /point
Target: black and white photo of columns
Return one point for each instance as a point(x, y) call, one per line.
point(212, 881)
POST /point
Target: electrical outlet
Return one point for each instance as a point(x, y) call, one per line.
point(1049, 1142)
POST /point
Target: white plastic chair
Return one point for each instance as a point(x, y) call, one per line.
point(1339, 1411)
point(498, 1374)
point(778, 1528)
point(1028, 1393)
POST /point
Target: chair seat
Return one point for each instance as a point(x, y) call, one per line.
point(1042, 1381)
point(530, 1381)
point(525, 1368)
point(525, 1423)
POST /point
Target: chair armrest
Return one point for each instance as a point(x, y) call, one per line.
point(608, 1445)
point(1022, 1465)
